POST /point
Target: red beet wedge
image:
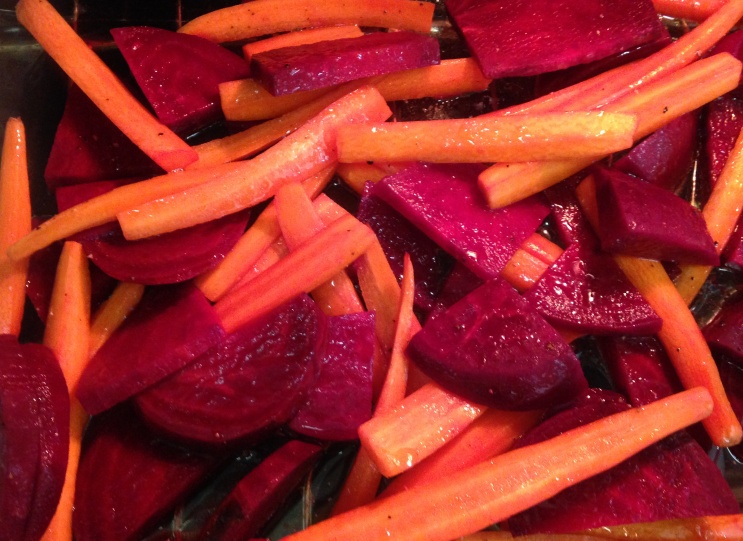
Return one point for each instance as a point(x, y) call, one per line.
point(724, 334)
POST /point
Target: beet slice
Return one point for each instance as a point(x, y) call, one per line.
point(493, 348)
point(249, 383)
point(444, 202)
point(724, 333)
point(724, 122)
point(516, 38)
point(260, 494)
point(170, 328)
point(34, 437)
point(671, 479)
point(733, 254)
point(732, 379)
point(179, 73)
point(319, 65)
point(642, 220)
point(130, 478)
point(341, 396)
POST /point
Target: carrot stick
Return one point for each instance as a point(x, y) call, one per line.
point(112, 314)
point(263, 17)
point(721, 213)
point(15, 222)
point(681, 337)
point(297, 157)
point(546, 136)
point(530, 261)
point(300, 271)
point(655, 103)
point(100, 84)
point(247, 99)
point(356, 175)
point(472, 499)
point(693, 10)
point(686, 529)
point(300, 37)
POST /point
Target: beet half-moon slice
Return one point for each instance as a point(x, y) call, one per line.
point(250, 382)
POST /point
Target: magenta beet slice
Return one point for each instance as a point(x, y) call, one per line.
point(515, 38)
point(733, 254)
point(130, 478)
point(34, 438)
point(731, 375)
point(493, 348)
point(306, 67)
point(642, 220)
point(444, 202)
point(724, 334)
point(671, 479)
point(250, 382)
point(724, 122)
point(261, 493)
point(88, 147)
point(170, 328)
point(459, 283)
point(585, 291)
point(179, 73)
point(665, 157)
point(340, 398)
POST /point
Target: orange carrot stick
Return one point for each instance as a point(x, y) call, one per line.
point(356, 175)
point(112, 314)
point(100, 84)
point(545, 136)
point(300, 37)
point(297, 157)
point(681, 337)
point(693, 10)
point(530, 261)
point(15, 222)
point(271, 16)
point(686, 529)
point(277, 251)
point(474, 498)
point(247, 99)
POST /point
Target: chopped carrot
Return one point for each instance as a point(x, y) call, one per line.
point(472, 499)
point(681, 337)
point(299, 156)
point(266, 17)
point(300, 37)
point(656, 103)
point(15, 222)
point(100, 84)
point(360, 485)
point(247, 99)
point(685, 529)
point(545, 136)
point(275, 252)
point(356, 175)
point(530, 261)
point(112, 313)
point(692, 10)
point(302, 270)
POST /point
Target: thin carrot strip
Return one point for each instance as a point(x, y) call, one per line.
point(263, 17)
point(472, 499)
point(685, 529)
point(15, 222)
point(301, 37)
point(530, 261)
point(302, 270)
point(297, 157)
point(356, 175)
point(544, 136)
point(112, 313)
point(247, 99)
point(692, 10)
point(681, 337)
point(277, 251)
point(254, 242)
point(100, 84)
point(655, 103)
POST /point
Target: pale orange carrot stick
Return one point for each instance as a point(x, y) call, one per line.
point(297, 157)
point(300, 37)
point(247, 99)
point(681, 337)
point(275, 252)
point(692, 10)
point(15, 222)
point(472, 499)
point(685, 529)
point(543, 136)
point(530, 261)
point(356, 175)
point(100, 84)
point(271, 16)
point(112, 313)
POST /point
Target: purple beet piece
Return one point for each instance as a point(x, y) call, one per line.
point(341, 396)
point(585, 291)
point(731, 375)
point(494, 349)
point(398, 237)
point(516, 38)
point(179, 74)
point(733, 254)
point(665, 157)
point(444, 202)
point(34, 438)
point(570, 222)
point(724, 122)
point(130, 478)
point(672, 479)
point(724, 333)
point(170, 327)
point(319, 65)
point(261, 493)
point(88, 147)
point(251, 382)
point(460, 282)
point(642, 220)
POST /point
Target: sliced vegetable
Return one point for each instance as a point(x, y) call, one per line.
point(112, 314)
point(300, 37)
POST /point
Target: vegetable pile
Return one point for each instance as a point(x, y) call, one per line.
point(458, 270)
